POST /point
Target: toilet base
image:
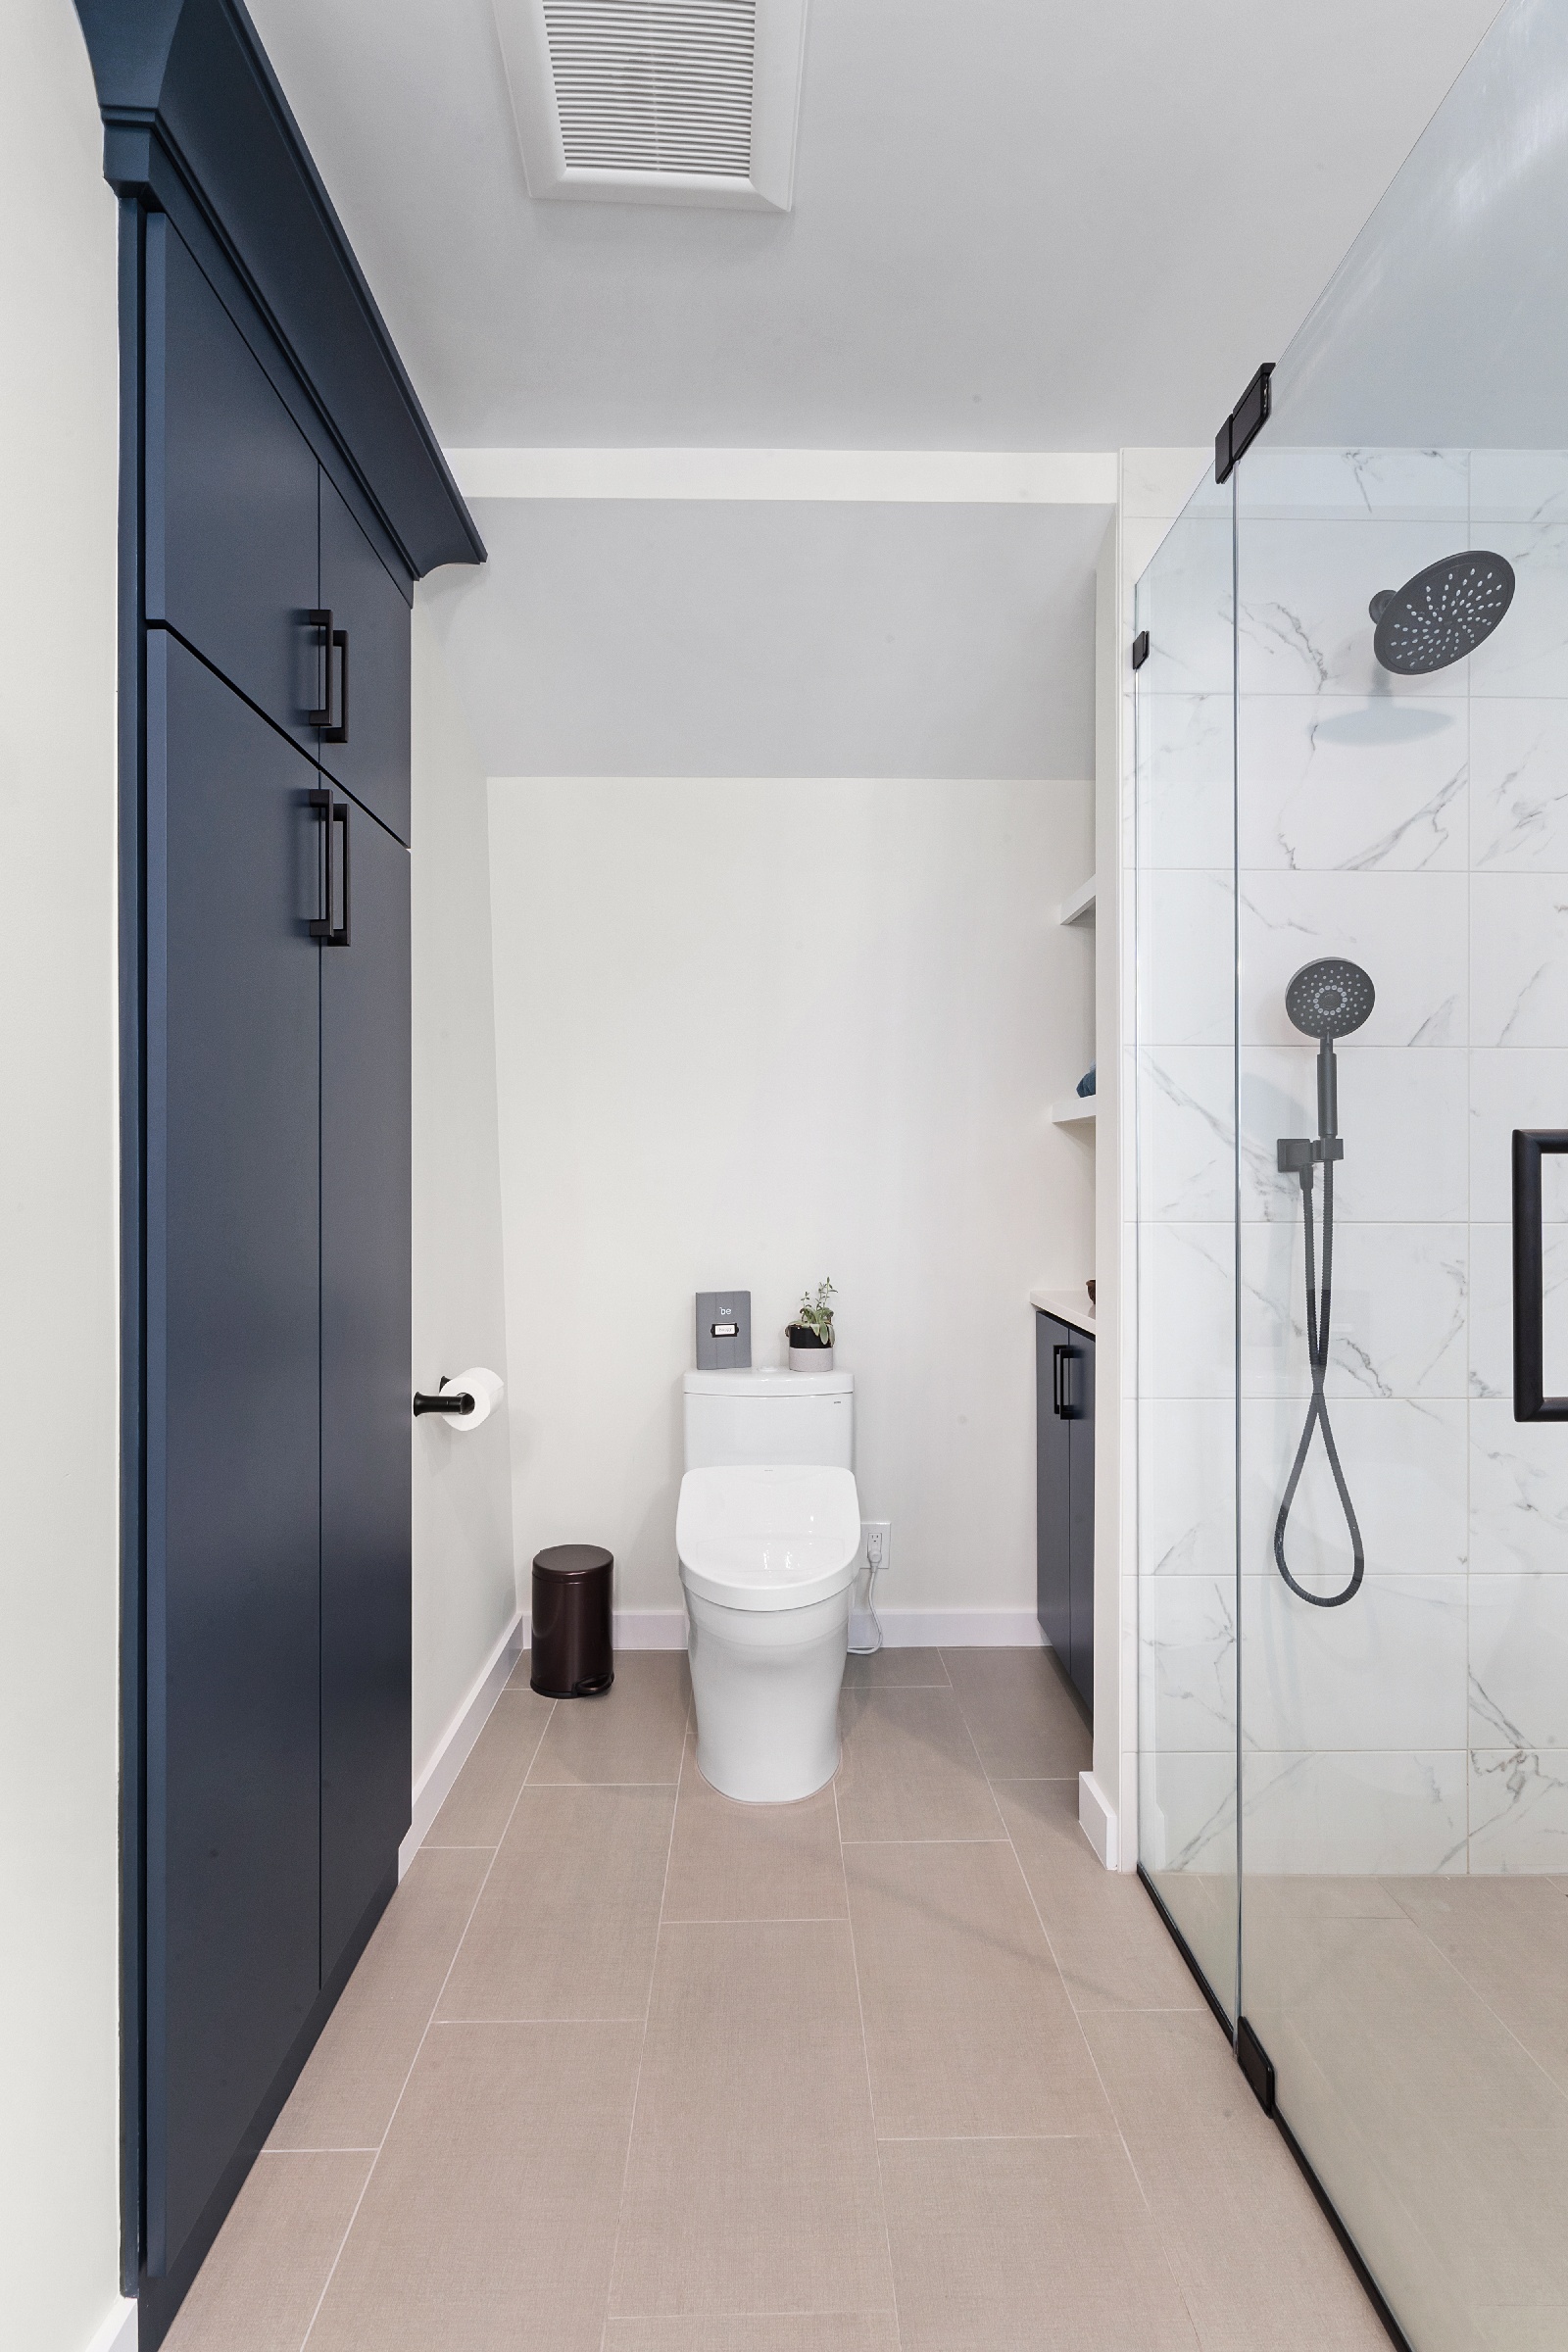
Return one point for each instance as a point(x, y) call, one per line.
point(765, 1682)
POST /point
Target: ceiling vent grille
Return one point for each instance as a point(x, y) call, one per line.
point(645, 87)
point(657, 101)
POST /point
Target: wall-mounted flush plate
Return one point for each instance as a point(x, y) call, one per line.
point(724, 1330)
point(877, 1544)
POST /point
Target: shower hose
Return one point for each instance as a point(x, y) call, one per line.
point(1317, 1412)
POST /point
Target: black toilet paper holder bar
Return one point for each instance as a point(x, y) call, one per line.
point(461, 1403)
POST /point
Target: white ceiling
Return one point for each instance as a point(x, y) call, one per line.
point(1017, 223)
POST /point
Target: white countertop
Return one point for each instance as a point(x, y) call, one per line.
point(1072, 1306)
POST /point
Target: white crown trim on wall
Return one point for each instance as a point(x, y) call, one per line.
point(778, 53)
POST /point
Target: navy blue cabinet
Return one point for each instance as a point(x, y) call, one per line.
point(1064, 1487)
point(369, 683)
point(234, 1427)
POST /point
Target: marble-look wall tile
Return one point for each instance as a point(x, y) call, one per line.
point(1187, 1810)
point(1187, 960)
point(1527, 654)
point(1284, 484)
point(1518, 785)
point(1398, 1316)
point(1518, 959)
point(1186, 1323)
point(1303, 623)
point(1186, 1132)
point(1518, 1809)
point(1363, 1814)
point(1518, 1492)
point(1526, 1087)
point(1366, 786)
point(1402, 1117)
point(1186, 760)
point(1519, 1662)
point(1387, 1671)
point(1184, 602)
point(1187, 1661)
point(1518, 485)
point(1406, 930)
point(1186, 1486)
point(1404, 1461)
point(1492, 1315)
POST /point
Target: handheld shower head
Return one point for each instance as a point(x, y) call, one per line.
point(1444, 614)
point(1329, 999)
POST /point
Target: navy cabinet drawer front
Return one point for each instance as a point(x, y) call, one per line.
point(232, 1427)
point(232, 525)
point(370, 667)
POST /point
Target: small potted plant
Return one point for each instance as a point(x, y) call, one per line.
point(810, 1335)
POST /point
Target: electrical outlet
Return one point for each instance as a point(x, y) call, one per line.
point(876, 1537)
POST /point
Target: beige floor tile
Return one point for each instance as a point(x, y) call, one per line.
point(1508, 1939)
point(770, 2331)
point(753, 2179)
point(568, 1920)
point(259, 2287)
point(910, 1769)
point(967, 2027)
point(1025, 1723)
point(634, 1731)
point(486, 1789)
point(1017, 2245)
point(1259, 2264)
point(345, 2097)
point(734, 1861)
point(490, 2218)
point(907, 1668)
point(1111, 1946)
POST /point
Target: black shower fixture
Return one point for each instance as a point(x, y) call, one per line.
point(1444, 614)
point(1325, 1000)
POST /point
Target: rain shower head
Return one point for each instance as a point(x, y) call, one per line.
point(1444, 614)
point(1329, 999)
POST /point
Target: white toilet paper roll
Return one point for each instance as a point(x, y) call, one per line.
point(483, 1387)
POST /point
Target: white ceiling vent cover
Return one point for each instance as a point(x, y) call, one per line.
point(655, 101)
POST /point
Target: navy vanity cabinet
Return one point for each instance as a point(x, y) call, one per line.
point(231, 500)
point(367, 1346)
point(1065, 1491)
point(366, 746)
point(232, 1494)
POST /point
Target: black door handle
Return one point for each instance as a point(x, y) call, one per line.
point(1060, 1402)
point(332, 641)
point(334, 813)
point(1530, 1402)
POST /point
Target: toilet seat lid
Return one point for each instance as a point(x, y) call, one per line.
point(768, 1536)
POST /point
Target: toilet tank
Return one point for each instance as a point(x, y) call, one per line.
point(769, 1417)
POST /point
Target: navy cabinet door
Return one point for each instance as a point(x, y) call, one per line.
point(1080, 1659)
point(372, 614)
point(366, 1384)
point(1051, 1341)
point(232, 1427)
point(231, 496)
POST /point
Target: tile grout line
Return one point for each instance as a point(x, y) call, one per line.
point(428, 2023)
point(865, 2054)
point(648, 2011)
point(1077, 2016)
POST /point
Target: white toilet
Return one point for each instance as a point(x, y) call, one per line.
point(768, 1536)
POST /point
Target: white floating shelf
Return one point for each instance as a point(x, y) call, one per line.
point(1077, 1112)
point(1080, 908)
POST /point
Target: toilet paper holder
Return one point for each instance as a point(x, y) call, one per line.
point(461, 1400)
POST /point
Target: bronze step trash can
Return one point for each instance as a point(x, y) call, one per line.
point(573, 1652)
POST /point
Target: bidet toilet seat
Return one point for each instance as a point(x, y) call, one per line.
point(764, 1536)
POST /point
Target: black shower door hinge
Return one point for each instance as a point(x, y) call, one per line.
point(1140, 649)
point(1245, 423)
point(1257, 2065)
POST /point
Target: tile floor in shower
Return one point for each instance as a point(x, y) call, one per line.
point(632, 2069)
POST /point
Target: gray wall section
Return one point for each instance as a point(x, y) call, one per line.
point(645, 637)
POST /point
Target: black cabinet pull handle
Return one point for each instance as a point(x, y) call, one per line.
point(332, 641)
point(334, 813)
point(1057, 1388)
point(1530, 1402)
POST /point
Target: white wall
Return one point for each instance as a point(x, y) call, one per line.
point(762, 1031)
point(59, 1561)
point(463, 1586)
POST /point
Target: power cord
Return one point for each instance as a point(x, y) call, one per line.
point(873, 1561)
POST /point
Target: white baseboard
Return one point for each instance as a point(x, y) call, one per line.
point(902, 1629)
point(456, 1744)
point(1098, 1818)
point(118, 2333)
